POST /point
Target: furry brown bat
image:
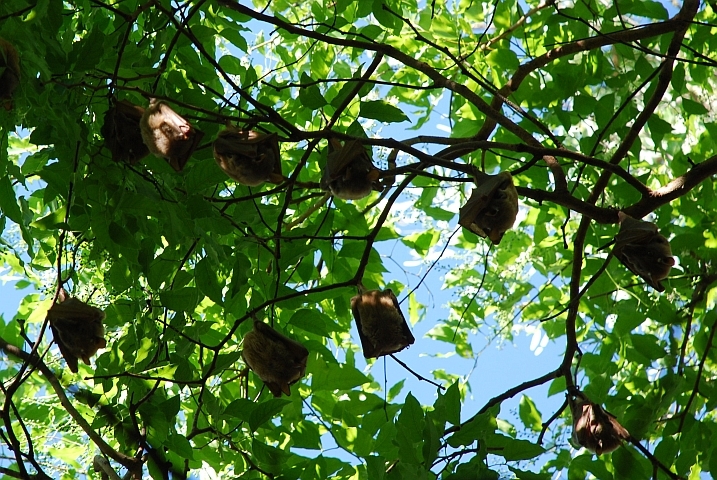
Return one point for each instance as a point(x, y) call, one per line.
point(278, 360)
point(381, 326)
point(10, 78)
point(492, 208)
point(248, 157)
point(77, 328)
point(349, 173)
point(645, 252)
point(594, 428)
point(168, 135)
point(122, 133)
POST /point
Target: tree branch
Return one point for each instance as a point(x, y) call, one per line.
point(131, 463)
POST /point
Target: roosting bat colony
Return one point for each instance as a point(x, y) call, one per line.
point(251, 158)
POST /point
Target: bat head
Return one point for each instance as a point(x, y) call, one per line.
point(492, 207)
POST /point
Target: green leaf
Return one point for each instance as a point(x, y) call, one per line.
point(475, 429)
point(52, 221)
point(312, 321)
point(8, 202)
point(422, 242)
point(383, 16)
point(431, 441)
point(265, 411)
point(648, 345)
point(310, 96)
point(529, 414)
point(693, 108)
point(503, 58)
point(337, 377)
point(180, 300)
point(514, 449)
point(91, 51)
point(627, 466)
point(207, 282)
point(179, 444)
point(449, 403)
point(121, 236)
point(382, 111)
point(527, 475)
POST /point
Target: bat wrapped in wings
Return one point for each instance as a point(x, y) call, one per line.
point(381, 326)
point(249, 157)
point(122, 133)
point(77, 328)
point(492, 208)
point(168, 135)
point(278, 360)
point(10, 77)
point(641, 248)
point(593, 427)
point(349, 174)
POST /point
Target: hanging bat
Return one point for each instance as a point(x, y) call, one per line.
point(278, 360)
point(349, 173)
point(645, 252)
point(248, 157)
point(492, 207)
point(168, 135)
point(77, 329)
point(381, 326)
point(10, 77)
point(594, 428)
point(122, 133)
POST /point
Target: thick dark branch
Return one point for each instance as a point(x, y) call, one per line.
point(510, 393)
point(131, 463)
point(402, 57)
point(675, 189)
point(599, 41)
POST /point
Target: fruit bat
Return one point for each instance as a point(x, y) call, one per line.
point(381, 326)
point(9, 73)
point(248, 157)
point(492, 208)
point(645, 252)
point(168, 135)
point(349, 173)
point(278, 360)
point(77, 328)
point(122, 133)
point(594, 428)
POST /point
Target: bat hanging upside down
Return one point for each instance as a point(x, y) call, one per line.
point(77, 328)
point(641, 248)
point(492, 207)
point(349, 174)
point(168, 135)
point(381, 326)
point(248, 157)
point(278, 360)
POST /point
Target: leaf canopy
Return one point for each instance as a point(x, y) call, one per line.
point(593, 107)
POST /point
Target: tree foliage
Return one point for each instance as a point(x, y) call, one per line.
point(593, 106)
